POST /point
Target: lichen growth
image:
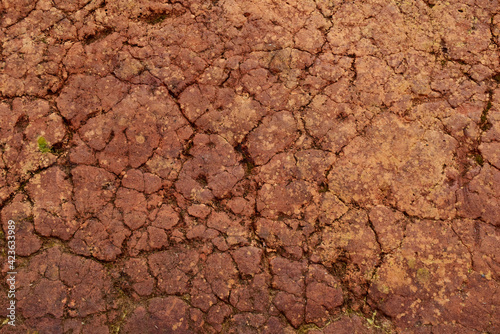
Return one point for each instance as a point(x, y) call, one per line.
point(423, 275)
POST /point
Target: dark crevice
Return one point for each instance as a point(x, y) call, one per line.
point(247, 161)
point(101, 34)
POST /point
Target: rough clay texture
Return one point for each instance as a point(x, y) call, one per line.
point(251, 166)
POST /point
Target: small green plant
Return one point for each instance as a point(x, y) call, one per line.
point(249, 166)
point(156, 18)
point(479, 159)
point(43, 146)
point(484, 124)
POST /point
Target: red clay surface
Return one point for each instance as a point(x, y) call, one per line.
point(251, 166)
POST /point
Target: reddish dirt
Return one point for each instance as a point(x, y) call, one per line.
point(251, 166)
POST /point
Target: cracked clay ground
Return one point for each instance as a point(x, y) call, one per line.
point(262, 166)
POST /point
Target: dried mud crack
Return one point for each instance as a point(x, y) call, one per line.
point(251, 166)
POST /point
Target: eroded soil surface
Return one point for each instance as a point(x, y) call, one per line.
point(251, 166)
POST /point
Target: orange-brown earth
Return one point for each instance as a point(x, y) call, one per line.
point(251, 166)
